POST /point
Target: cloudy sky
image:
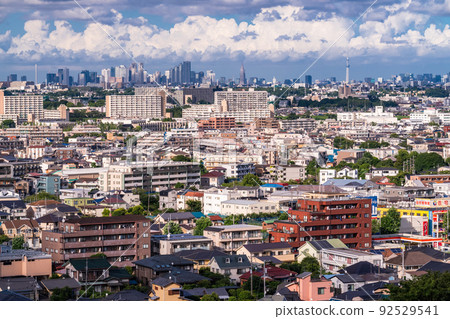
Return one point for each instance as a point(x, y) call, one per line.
point(271, 37)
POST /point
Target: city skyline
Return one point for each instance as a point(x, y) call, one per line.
point(278, 38)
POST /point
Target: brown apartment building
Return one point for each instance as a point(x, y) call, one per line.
point(347, 219)
point(217, 123)
point(121, 238)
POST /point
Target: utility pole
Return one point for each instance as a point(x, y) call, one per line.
point(264, 276)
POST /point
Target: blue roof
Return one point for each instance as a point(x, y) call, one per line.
point(198, 214)
point(272, 185)
point(328, 276)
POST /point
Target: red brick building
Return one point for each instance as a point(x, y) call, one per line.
point(122, 238)
point(346, 219)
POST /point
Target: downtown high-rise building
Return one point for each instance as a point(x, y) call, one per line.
point(64, 76)
point(180, 74)
point(242, 78)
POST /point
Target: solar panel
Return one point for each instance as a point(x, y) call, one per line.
point(396, 250)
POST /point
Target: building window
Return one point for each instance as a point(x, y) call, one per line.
point(145, 246)
point(321, 291)
point(145, 235)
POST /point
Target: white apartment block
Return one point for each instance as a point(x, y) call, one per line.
point(379, 116)
point(22, 105)
point(213, 202)
point(241, 100)
point(136, 106)
point(429, 115)
point(246, 207)
point(238, 170)
point(230, 238)
point(333, 259)
point(326, 174)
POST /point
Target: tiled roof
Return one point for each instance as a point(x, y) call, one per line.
point(256, 248)
point(92, 263)
point(232, 261)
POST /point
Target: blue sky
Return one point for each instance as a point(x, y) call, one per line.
point(273, 38)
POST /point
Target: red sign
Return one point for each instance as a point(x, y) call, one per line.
point(425, 228)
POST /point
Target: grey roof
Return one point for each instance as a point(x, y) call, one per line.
point(177, 216)
point(8, 295)
point(320, 244)
point(232, 261)
point(18, 254)
point(19, 284)
point(304, 274)
point(182, 277)
point(128, 295)
point(163, 262)
point(200, 254)
point(365, 267)
point(51, 284)
point(200, 292)
point(270, 259)
point(435, 266)
point(13, 204)
point(161, 281)
point(346, 278)
point(256, 248)
point(175, 237)
point(276, 297)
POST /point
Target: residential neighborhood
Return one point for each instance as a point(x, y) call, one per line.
point(182, 175)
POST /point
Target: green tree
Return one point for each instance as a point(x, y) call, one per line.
point(18, 242)
point(312, 265)
point(106, 212)
point(211, 297)
point(251, 180)
point(433, 286)
point(98, 255)
point(119, 212)
point(293, 266)
point(3, 238)
point(181, 158)
point(342, 143)
point(201, 224)
point(172, 228)
point(376, 226)
point(390, 223)
point(62, 294)
point(40, 196)
point(311, 168)
point(8, 124)
point(283, 216)
point(194, 205)
point(136, 210)
point(179, 185)
point(428, 161)
point(231, 219)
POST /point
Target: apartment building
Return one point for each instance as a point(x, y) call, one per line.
point(334, 259)
point(217, 123)
point(247, 207)
point(241, 100)
point(167, 245)
point(346, 219)
point(148, 175)
point(230, 238)
point(136, 106)
point(22, 105)
point(121, 238)
point(24, 262)
point(299, 124)
point(35, 132)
